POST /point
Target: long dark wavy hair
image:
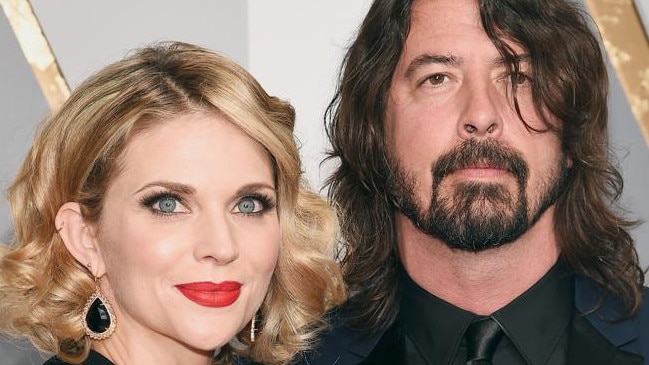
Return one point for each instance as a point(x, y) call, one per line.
point(569, 81)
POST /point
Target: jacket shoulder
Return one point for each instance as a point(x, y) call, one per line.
point(604, 311)
point(340, 345)
point(642, 324)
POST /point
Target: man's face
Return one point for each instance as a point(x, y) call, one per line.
point(466, 169)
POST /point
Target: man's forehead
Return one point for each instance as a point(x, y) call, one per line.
point(441, 29)
point(433, 13)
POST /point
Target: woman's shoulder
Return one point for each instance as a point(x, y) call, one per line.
point(94, 358)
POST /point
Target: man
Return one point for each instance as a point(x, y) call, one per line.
point(477, 194)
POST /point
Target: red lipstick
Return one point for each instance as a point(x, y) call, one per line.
point(210, 294)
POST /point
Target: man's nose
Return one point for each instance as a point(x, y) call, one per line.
point(481, 106)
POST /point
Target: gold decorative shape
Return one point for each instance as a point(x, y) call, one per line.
point(627, 46)
point(36, 50)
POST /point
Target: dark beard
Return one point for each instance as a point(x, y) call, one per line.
point(477, 215)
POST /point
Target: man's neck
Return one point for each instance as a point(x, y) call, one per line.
point(481, 282)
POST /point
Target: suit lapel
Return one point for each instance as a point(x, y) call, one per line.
point(603, 312)
point(588, 346)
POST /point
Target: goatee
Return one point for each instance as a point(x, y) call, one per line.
point(476, 215)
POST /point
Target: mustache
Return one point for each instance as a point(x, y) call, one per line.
point(487, 152)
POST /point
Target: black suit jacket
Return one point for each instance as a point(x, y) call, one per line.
point(594, 340)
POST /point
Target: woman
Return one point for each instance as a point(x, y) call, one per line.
point(161, 218)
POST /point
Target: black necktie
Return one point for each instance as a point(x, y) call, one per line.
point(482, 338)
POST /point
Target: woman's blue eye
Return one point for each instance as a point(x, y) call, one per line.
point(248, 206)
point(167, 204)
point(164, 203)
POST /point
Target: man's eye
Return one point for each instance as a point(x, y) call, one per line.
point(249, 206)
point(518, 78)
point(436, 79)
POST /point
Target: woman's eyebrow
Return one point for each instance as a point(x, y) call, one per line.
point(173, 186)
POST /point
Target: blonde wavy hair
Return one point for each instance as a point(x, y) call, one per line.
point(75, 156)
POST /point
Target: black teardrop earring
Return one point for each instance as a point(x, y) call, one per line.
point(99, 320)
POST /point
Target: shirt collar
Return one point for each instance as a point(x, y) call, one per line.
point(535, 321)
point(436, 327)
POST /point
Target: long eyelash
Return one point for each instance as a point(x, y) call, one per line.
point(149, 200)
point(266, 201)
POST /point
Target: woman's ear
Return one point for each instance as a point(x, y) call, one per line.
point(79, 238)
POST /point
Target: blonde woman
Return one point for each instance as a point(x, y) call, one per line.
point(161, 218)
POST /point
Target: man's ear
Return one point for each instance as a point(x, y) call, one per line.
point(79, 238)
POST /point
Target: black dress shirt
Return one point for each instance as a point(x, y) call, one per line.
point(536, 325)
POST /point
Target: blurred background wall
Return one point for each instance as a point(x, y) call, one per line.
point(293, 47)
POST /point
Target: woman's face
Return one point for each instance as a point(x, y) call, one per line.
point(189, 234)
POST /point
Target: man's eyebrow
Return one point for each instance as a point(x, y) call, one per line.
point(427, 59)
point(518, 58)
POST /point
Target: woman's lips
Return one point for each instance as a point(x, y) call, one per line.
point(210, 294)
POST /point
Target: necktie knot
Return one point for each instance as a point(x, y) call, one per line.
point(482, 337)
